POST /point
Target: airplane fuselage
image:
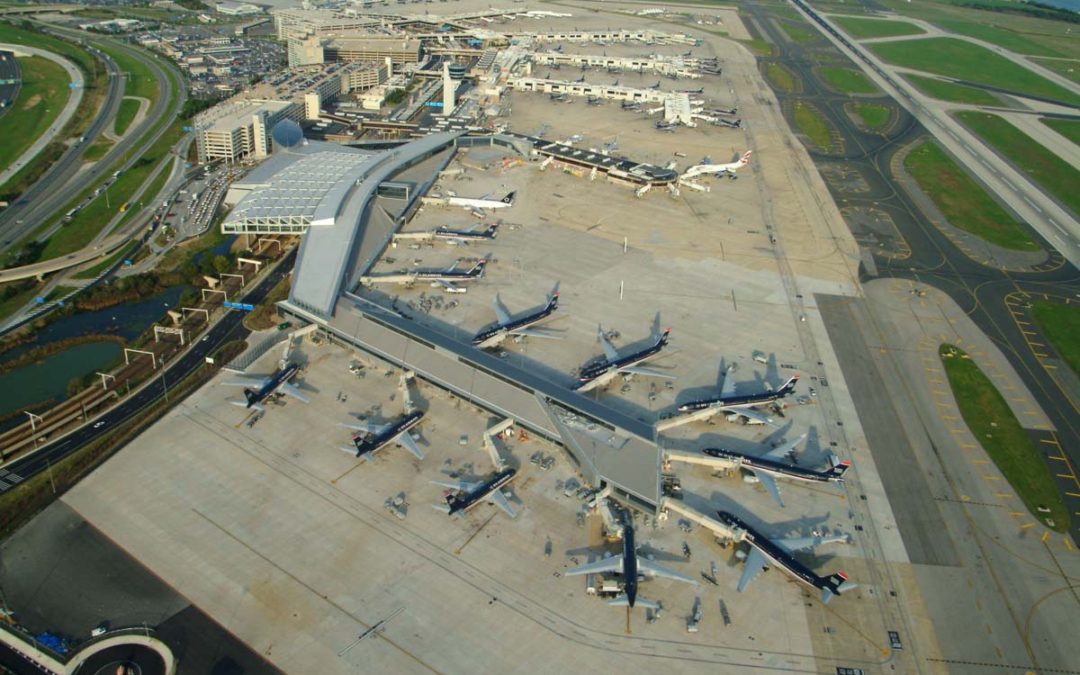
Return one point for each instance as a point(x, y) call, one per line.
point(606, 369)
point(367, 443)
point(630, 568)
point(469, 500)
point(451, 275)
point(495, 333)
point(776, 468)
point(276, 380)
point(780, 557)
point(468, 235)
point(735, 402)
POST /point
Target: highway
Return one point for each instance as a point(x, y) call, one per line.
point(64, 179)
point(227, 329)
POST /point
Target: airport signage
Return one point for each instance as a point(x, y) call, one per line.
point(433, 104)
point(243, 306)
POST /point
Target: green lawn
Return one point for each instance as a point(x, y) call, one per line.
point(965, 61)
point(1069, 69)
point(874, 116)
point(1061, 326)
point(97, 149)
point(799, 32)
point(42, 96)
point(874, 28)
point(1068, 128)
point(125, 115)
point(106, 263)
point(139, 80)
point(780, 77)
point(963, 201)
point(999, 432)
point(813, 125)
point(947, 91)
point(998, 35)
point(1054, 174)
point(846, 80)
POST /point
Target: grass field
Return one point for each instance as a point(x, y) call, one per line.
point(1069, 69)
point(780, 77)
point(799, 32)
point(874, 116)
point(1061, 326)
point(125, 115)
point(1002, 37)
point(999, 432)
point(963, 201)
point(139, 80)
point(846, 80)
point(813, 125)
point(41, 98)
point(873, 28)
point(97, 150)
point(1054, 174)
point(947, 91)
point(965, 61)
point(1068, 128)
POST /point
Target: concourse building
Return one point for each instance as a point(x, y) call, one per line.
point(347, 204)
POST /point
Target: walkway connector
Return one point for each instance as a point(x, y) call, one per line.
point(718, 528)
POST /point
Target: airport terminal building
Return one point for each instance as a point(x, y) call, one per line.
point(347, 204)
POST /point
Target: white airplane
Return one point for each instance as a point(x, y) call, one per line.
point(483, 202)
point(728, 169)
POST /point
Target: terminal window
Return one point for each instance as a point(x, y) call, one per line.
point(394, 190)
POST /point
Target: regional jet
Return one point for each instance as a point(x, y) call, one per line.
point(483, 202)
point(257, 390)
point(741, 406)
point(629, 565)
point(520, 328)
point(374, 437)
point(467, 495)
point(764, 552)
point(602, 370)
point(720, 169)
point(766, 468)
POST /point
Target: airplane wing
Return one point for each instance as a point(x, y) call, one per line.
point(461, 485)
point(646, 372)
point(610, 353)
point(448, 285)
point(536, 333)
point(612, 564)
point(793, 544)
point(501, 314)
point(244, 404)
point(755, 565)
point(406, 441)
point(753, 415)
point(364, 426)
point(293, 391)
point(781, 451)
point(652, 568)
point(623, 601)
point(499, 499)
point(727, 389)
point(770, 485)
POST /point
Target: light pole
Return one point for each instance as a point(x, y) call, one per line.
point(33, 425)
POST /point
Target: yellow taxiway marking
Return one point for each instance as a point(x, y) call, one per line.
point(1027, 525)
point(1046, 534)
point(1068, 544)
point(1050, 441)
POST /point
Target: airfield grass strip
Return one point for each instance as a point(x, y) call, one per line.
point(1053, 173)
point(861, 29)
point(1061, 326)
point(846, 80)
point(962, 201)
point(949, 91)
point(1070, 129)
point(993, 424)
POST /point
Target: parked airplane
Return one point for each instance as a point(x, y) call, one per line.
point(629, 565)
point(699, 90)
point(669, 127)
point(464, 236)
point(766, 468)
point(728, 402)
point(656, 86)
point(594, 100)
point(468, 495)
point(520, 327)
point(375, 437)
point(483, 202)
point(720, 169)
point(257, 390)
point(600, 371)
point(779, 552)
point(446, 279)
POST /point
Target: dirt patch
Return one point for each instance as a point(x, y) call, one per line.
point(32, 101)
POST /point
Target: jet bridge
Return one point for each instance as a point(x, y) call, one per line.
point(718, 528)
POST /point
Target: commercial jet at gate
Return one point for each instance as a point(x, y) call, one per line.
point(629, 566)
point(720, 169)
point(257, 390)
point(766, 468)
point(600, 371)
point(729, 402)
point(467, 495)
point(518, 328)
point(371, 438)
point(482, 202)
point(764, 552)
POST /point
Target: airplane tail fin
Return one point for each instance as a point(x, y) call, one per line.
point(789, 386)
point(745, 159)
point(251, 397)
point(493, 230)
point(478, 269)
point(839, 468)
point(836, 584)
point(441, 507)
point(553, 302)
point(509, 198)
point(663, 338)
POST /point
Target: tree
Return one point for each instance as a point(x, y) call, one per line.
point(395, 96)
point(221, 264)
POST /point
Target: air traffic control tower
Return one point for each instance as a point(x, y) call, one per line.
point(347, 204)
